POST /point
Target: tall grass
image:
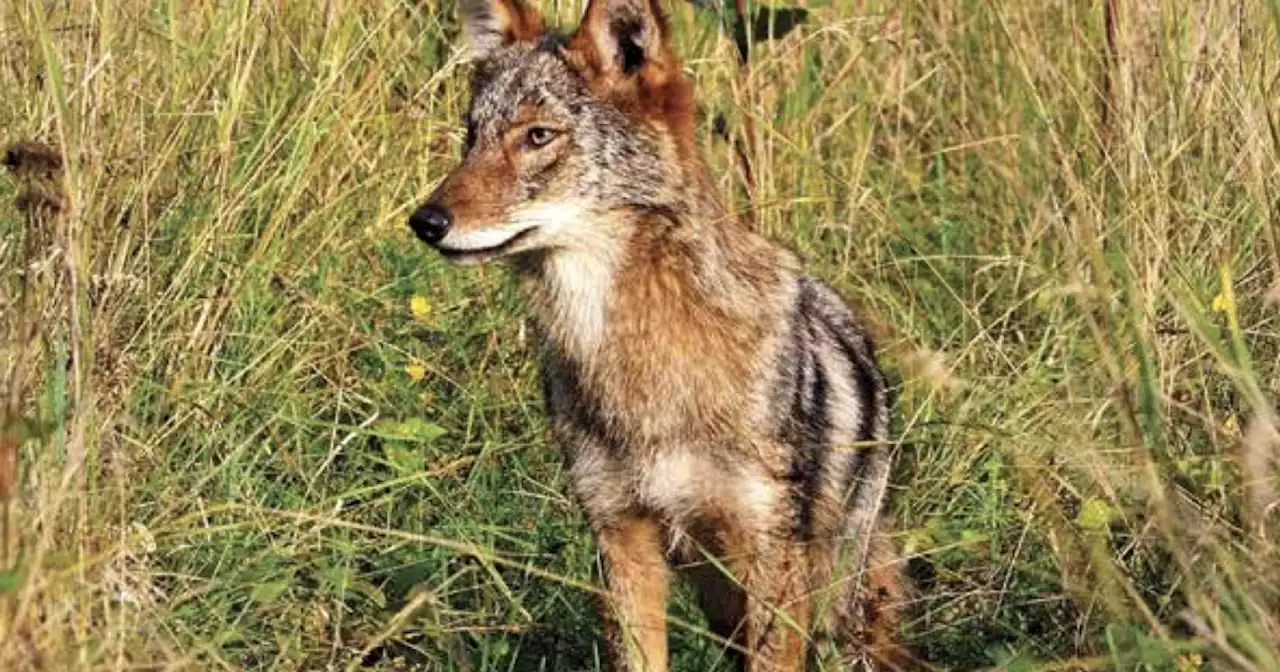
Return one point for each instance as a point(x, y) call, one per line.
point(254, 424)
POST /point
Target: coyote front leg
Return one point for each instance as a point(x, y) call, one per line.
point(635, 605)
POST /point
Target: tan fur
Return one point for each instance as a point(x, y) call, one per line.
point(636, 574)
point(886, 595)
point(659, 92)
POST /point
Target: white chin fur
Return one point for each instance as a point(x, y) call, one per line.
point(553, 221)
point(483, 239)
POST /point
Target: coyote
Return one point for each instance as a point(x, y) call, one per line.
point(721, 412)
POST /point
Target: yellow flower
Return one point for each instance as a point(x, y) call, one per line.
point(1094, 515)
point(1188, 662)
point(416, 371)
point(1225, 301)
point(1221, 303)
point(420, 308)
point(1231, 426)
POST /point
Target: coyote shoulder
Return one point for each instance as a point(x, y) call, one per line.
point(720, 411)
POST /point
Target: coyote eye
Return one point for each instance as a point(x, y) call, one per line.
point(540, 136)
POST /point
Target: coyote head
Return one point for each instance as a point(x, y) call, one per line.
point(563, 133)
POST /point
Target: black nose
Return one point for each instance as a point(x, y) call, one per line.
point(431, 223)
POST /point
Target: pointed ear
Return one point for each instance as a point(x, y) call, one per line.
point(492, 24)
point(623, 36)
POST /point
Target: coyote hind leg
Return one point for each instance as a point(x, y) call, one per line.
point(724, 604)
point(777, 607)
point(872, 610)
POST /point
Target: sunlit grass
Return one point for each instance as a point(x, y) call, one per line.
point(260, 426)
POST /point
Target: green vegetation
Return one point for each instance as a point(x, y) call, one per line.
point(245, 443)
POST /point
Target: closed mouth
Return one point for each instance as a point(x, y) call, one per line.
point(476, 254)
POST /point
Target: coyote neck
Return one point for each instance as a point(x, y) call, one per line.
point(645, 277)
point(571, 293)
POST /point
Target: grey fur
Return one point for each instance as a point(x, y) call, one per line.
point(625, 158)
